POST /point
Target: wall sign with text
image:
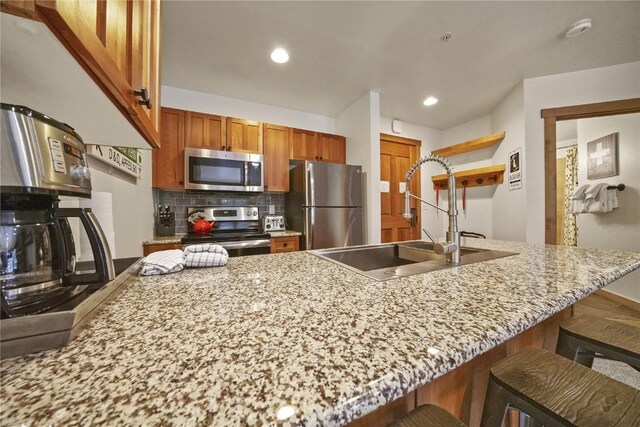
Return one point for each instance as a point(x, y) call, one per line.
point(128, 160)
point(515, 169)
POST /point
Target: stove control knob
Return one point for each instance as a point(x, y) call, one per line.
point(254, 213)
point(268, 226)
point(80, 172)
point(248, 212)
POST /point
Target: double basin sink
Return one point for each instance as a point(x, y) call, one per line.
point(393, 260)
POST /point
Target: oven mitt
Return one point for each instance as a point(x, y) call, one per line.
point(163, 262)
point(205, 255)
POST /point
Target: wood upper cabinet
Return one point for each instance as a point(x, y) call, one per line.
point(276, 157)
point(244, 136)
point(315, 146)
point(332, 148)
point(303, 145)
point(204, 131)
point(168, 160)
point(118, 43)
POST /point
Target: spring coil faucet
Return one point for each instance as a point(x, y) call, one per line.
point(452, 246)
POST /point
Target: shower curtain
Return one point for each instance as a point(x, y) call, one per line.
point(570, 226)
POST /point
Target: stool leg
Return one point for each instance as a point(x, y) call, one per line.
point(495, 406)
point(569, 347)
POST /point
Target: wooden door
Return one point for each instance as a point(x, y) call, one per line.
point(118, 43)
point(303, 145)
point(333, 148)
point(396, 156)
point(244, 136)
point(276, 157)
point(168, 160)
point(204, 131)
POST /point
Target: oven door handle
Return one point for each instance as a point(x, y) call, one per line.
point(246, 244)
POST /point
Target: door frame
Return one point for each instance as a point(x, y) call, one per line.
point(416, 177)
point(553, 115)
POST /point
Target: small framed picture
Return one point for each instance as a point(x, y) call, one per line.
point(515, 169)
point(602, 157)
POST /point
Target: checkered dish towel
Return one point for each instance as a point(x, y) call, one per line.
point(206, 255)
point(163, 262)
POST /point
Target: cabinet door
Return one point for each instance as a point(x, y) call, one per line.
point(204, 131)
point(244, 136)
point(333, 148)
point(276, 158)
point(168, 160)
point(303, 145)
point(145, 57)
point(117, 42)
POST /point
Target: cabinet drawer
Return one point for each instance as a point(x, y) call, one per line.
point(157, 247)
point(285, 244)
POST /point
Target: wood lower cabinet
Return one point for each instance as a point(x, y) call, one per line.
point(315, 146)
point(118, 44)
point(204, 131)
point(157, 247)
point(285, 244)
point(168, 160)
point(276, 157)
point(243, 136)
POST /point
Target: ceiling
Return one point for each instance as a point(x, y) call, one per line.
point(341, 50)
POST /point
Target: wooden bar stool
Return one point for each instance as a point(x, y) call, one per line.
point(428, 416)
point(583, 337)
point(555, 391)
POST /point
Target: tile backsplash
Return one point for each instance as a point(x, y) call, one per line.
point(181, 200)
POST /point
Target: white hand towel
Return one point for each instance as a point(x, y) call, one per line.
point(596, 198)
point(576, 197)
point(205, 247)
point(163, 262)
point(206, 259)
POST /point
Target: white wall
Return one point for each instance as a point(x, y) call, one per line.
point(619, 229)
point(431, 139)
point(132, 204)
point(214, 104)
point(360, 124)
point(509, 206)
point(478, 216)
point(580, 87)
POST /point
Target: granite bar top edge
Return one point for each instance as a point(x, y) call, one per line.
point(163, 240)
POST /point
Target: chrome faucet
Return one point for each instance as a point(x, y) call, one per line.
point(452, 246)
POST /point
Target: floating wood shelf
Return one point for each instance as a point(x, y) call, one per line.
point(490, 175)
point(474, 144)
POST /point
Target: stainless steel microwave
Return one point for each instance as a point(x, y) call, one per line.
point(213, 170)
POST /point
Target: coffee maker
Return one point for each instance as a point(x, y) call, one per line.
point(42, 159)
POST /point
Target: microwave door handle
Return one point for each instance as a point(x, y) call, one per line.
point(246, 173)
point(105, 270)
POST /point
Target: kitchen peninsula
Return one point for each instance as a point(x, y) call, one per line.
point(292, 339)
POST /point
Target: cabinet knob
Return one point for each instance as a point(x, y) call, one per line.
point(284, 245)
point(224, 147)
point(143, 93)
point(228, 148)
point(317, 158)
point(320, 157)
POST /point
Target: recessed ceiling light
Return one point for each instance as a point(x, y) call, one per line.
point(279, 55)
point(578, 28)
point(430, 101)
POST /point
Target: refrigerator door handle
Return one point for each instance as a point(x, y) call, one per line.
point(312, 225)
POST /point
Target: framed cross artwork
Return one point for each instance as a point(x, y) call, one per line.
point(602, 157)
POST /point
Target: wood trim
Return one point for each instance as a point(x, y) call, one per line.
point(598, 109)
point(618, 299)
point(400, 139)
point(553, 115)
point(22, 8)
point(471, 145)
point(550, 184)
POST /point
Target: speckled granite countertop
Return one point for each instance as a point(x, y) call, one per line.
point(291, 339)
point(160, 240)
point(285, 233)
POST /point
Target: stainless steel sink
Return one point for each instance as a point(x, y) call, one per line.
point(393, 260)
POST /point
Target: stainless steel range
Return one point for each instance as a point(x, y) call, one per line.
point(237, 229)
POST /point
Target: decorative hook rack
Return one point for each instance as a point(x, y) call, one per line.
point(619, 187)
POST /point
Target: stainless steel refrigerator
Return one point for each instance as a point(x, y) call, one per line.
point(326, 203)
